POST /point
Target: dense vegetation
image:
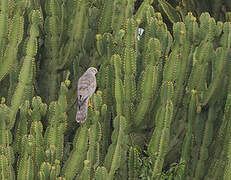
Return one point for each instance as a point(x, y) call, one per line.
point(162, 105)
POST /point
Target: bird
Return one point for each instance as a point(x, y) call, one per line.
point(85, 89)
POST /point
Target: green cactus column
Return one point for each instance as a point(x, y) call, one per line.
point(74, 164)
point(149, 82)
point(26, 161)
point(11, 35)
point(158, 144)
point(114, 156)
point(24, 87)
point(6, 150)
point(129, 64)
point(54, 135)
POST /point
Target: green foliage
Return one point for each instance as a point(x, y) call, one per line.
point(119, 92)
point(129, 63)
point(162, 105)
point(171, 13)
point(158, 144)
point(74, 164)
point(25, 78)
point(133, 163)
point(11, 36)
point(113, 158)
point(106, 16)
point(101, 173)
point(149, 80)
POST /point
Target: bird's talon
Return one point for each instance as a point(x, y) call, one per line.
point(89, 103)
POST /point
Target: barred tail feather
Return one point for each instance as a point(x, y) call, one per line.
point(81, 114)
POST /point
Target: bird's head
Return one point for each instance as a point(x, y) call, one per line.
point(92, 70)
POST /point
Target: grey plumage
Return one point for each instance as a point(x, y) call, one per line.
point(86, 88)
point(81, 114)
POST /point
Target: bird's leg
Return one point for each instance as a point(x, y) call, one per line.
point(89, 103)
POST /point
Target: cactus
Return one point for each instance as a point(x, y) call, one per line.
point(7, 152)
point(133, 163)
point(4, 167)
point(26, 74)
point(162, 105)
point(36, 130)
point(113, 157)
point(86, 171)
point(118, 15)
point(158, 144)
point(130, 69)
point(208, 133)
point(186, 150)
point(9, 41)
point(119, 92)
point(21, 127)
point(26, 162)
point(140, 12)
point(221, 57)
point(47, 171)
point(101, 173)
point(106, 16)
point(74, 164)
point(52, 26)
point(54, 135)
point(93, 156)
point(172, 13)
point(150, 77)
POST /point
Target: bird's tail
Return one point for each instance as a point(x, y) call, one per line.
point(81, 114)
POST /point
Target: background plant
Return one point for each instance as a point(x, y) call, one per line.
point(162, 105)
